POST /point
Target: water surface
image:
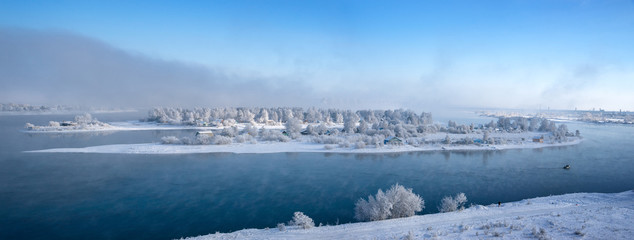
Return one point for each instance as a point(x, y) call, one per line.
point(112, 196)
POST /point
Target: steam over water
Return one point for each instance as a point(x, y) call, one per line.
point(105, 196)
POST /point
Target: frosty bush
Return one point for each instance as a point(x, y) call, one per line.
point(29, 126)
point(243, 138)
point(397, 202)
point(230, 131)
point(171, 140)
point(204, 139)
point(84, 118)
point(359, 145)
point(301, 220)
point(273, 135)
point(251, 130)
point(281, 227)
point(293, 127)
point(450, 204)
point(221, 140)
point(325, 139)
point(53, 124)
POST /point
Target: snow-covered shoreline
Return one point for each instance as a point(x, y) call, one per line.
point(281, 147)
point(569, 216)
point(134, 126)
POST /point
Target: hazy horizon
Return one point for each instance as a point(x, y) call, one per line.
point(325, 54)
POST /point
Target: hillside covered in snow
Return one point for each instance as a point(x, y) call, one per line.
point(569, 216)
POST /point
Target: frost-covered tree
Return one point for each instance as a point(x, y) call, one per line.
point(350, 122)
point(404, 202)
point(395, 203)
point(451, 124)
point(450, 204)
point(85, 118)
point(485, 137)
point(53, 124)
point(263, 116)
point(534, 124)
point(273, 135)
point(293, 127)
point(301, 220)
point(230, 131)
point(245, 115)
point(447, 140)
point(491, 125)
point(363, 127)
point(171, 140)
point(250, 129)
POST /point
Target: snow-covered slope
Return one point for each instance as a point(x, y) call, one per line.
point(570, 216)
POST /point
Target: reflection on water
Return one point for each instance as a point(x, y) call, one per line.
point(71, 196)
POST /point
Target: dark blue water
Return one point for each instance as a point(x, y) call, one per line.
point(113, 196)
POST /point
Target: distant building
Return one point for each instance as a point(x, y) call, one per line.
point(538, 139)
point(392, 140)
point(207, 133)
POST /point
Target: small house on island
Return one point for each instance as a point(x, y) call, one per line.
point(538, 139)
point(206, 133)
point(392, 140)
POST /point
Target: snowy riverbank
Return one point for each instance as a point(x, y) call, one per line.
point(570, 216)
point(294, 146)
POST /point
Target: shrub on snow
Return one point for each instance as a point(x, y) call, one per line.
point(251, 130)
point(301, 220)
point(243, 138)
point(170, 140)
point(230, 131)
point(396, 202)
point(450, 204)
point(293, 127)
point(53, 124)
point(281, 227)
point(273, 135)
point(221, 140)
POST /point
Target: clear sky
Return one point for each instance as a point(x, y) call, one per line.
point(561, 54)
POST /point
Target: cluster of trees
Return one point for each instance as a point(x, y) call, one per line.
point(396, 202)
point(13, 107)
point(450, 204)
point(277, 116)
point(300, 220)
point(82, 121)
point(360, 129)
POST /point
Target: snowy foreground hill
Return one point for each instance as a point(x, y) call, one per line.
point(570, 216)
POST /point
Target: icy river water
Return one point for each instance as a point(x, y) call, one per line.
point(114, 196)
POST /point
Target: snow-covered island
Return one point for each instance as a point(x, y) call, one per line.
point(83, 122)
point(569, 216)
point(365, 130)
point(268, 130)
point(590, 116)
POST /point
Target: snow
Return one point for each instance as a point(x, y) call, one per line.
point(569, 216)
point(138, 126)
point(280, 147)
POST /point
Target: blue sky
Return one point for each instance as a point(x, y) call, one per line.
point(512, 54)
